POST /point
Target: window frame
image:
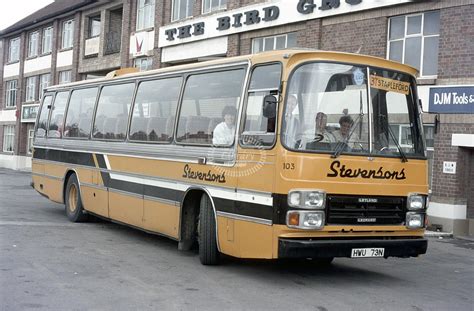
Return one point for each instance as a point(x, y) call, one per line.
point(141, 59)
point(417, 35)
point(274, 37)
point(14, 55)
point(142, 23)
point(8, 93)
point(220, 8)
point(47, 40)
point(51, 110)
point(30, 89)
point(179, 18)
point(40, 110)
point(31, 137)
point(243, 113)
point(91, 20)
point(41, 84)
point(67, 33)
point(69, 74)
point(12, 137)
point(33, 37)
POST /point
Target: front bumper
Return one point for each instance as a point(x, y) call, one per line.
point(293, 248)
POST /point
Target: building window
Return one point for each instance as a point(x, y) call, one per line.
point(94, 26)
point(64, 76)
point(8, 138)
point(30, 89)
point(414, 40)
point(31, 135)
point(274, 43)
point(145, 14)
point(45, 80)
point(47, 40)
point(10, 93)
point(14, 50)
point(213, 5)
point(144, 63)
point(68, 34)
point(182, 9)
point(428, 129)
point(33, 44)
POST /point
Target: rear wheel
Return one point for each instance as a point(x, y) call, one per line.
point(208, 253)
point(74, 209)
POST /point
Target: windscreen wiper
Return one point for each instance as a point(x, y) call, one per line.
point(340, 145)
point(400, 150)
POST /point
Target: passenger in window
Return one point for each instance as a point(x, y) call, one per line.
point(224, 132)
point(291, 121)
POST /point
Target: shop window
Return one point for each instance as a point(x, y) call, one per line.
point(14, 50)
point(182, 9)
point(10, 93)
point(33, 44)
point(274, 43)
point(213, 5)
point(145, 14)
point(8, 138)
point(414, 40)
point(67, 34)
point(143, 63)
point(47, 40)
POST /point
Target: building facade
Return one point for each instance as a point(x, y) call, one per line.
point(75, 40)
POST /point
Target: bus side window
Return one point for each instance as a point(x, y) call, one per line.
point(259, 123)
point(206, 98)
point(112, 111)
point(79, 113)
point(42, 123)
point(155, 106)
point(55, 127)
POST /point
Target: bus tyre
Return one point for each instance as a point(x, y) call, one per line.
point(208, 253)
point(74, 210)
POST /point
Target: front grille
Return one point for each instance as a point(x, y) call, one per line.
point(365, 210)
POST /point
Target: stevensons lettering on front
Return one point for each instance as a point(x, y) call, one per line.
point(270, 14)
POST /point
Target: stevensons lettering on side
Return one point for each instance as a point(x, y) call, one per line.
point(270, 14)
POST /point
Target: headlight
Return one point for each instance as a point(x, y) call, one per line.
point(416, 202)
point(415, 221)
point(305, 219)
point(309, 199)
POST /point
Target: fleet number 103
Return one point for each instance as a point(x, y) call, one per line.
point(288, 166)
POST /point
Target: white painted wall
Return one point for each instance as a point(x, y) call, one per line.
point(7, 116)
point(38, 63)
point(64, 59)
point(142, 43)
point(15, 162)
point(449, 211)
point(212, 47)
point(92, 46)
point(463, 140)
point(11, 70)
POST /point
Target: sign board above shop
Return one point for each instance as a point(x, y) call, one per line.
point(452, 99)
point(269, 14)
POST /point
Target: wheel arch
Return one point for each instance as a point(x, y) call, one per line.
point(187, 202)
point(67, 175)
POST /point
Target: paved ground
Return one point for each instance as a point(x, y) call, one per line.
point(48, 263)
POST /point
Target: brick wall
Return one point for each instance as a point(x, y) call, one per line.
point(451, 188)
point(456, 46)
point(369, 35)
point(470, 186)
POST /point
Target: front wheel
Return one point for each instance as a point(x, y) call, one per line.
point(208, 253)
point(74, 209)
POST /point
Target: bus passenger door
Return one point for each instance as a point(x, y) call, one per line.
point(256, 163)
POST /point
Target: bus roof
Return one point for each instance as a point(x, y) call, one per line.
point(290, 56)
